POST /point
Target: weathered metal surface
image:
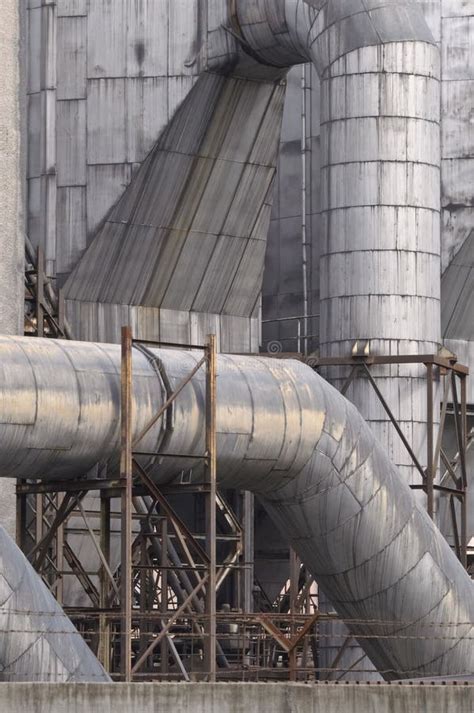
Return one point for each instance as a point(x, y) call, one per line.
point(378, 230)
point(457, 300)
point(283, 433)
point(457, 288)
point(189, 233)
point(39, 642)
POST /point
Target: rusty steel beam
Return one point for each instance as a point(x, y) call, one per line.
point(211, 497)
point(126, 533)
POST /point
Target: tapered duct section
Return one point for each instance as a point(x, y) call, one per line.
point(283, 433)
point(38, 642)
point(183, 249)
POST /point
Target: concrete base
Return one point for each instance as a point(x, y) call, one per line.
point(234, 698)
point(8, 506)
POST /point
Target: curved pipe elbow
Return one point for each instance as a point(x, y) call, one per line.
point(283, 433)
point(322, 31)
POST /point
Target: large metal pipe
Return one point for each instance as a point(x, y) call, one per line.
point(283, 433)
point(380, 219)
point(379, 235)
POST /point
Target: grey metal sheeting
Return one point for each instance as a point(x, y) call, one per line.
point(285, 434)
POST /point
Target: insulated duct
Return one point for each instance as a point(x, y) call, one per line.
point(380, 189)
point(288, 436)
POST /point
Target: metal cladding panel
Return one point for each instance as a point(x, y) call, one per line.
point(457, 129)
point(458, 150)
point(106, 128)
point(457, 289)
point(71, 8)
point(71, 128)
point(146, 106)
point(287, 435)
point(105, 184)
point(464, 350)
point(130, 88)
point(72, 51)
point(220, 273)
point(149, 38)
point(103, 322)
point(407, 273)
point(245, 287)
point(192, 265)
point(107, 19)
point(71, 212)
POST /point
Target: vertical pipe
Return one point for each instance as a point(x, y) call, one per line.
point(249, 547)
point(61, 312)
point(211, 452)
point(126, 478)
point(430, 475)
point(304, 244)
point(104, 628)
point(40, 292)
point(463, 444)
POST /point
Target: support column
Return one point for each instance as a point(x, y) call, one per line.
point(126, 478)
point(211, 453)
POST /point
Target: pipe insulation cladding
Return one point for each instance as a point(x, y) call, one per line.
point(283, 433)
point(38, 641)
point(380, 267)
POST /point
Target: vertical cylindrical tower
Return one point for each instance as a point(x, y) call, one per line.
point(380, 264)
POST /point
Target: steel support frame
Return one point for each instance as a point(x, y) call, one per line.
point(130, 467)
point(455, 375)
point(113, 602)
point(43, 511)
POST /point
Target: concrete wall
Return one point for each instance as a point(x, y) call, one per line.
point(11, 199)
point(11, 168)
point(234, 698)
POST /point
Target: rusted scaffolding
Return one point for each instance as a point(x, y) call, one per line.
point(152, 611)
point(152, 584)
